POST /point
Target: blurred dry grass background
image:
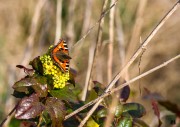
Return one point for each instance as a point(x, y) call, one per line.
point(15, 24)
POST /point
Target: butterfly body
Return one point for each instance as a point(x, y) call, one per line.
point(60, 55)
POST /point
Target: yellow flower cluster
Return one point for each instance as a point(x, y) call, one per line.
point(59, 78)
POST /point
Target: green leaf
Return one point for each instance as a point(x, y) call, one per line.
point(101, 113)
point(64, 94)
point(56, 109)
point(29, 107)
point(125, 122)
point(134, 109)
point(91, 123)
point(97, 88)
point(37, 65)
point(119, 110)
point(91, 95)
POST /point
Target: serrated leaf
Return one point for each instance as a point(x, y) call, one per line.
point(42, 90)
point(64, 94)
point(56, 109)
point(136, 110)
point(124, 95)
point(29, 107)
point(37, 65)
point(24, 84)
point(125, 122)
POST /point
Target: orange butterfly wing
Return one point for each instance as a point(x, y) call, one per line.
point(61, 48)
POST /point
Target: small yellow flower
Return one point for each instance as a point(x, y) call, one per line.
point(59, 78)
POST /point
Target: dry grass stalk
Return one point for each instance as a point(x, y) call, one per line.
point(98, 42)
point(78, 43)
point(58, 21)
point(122, 85)
point(111, 41)
point(116, 78)
point(110, 64)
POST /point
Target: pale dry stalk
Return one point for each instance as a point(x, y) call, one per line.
point(58, 21)
point(110, 63)
point(123, 85)
point(79, 42)
point(140, 49)
point(98, 42)
point(111, 41)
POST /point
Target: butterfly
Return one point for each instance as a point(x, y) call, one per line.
point(60, 55)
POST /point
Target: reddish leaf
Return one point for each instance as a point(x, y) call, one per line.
point(55, 108)
point(154, 105)
point(29, 107)
point(24, 84)
point(37, 65)
point(28, 124)
point(124, 95)
point(41, 90)
point(155, 108)
point(156, 111)
point(26, 70)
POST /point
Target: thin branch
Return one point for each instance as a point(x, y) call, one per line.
point(122, 85)
point(111, 41)
point(87, 33)
point(2, 123)
point(90, 67)
point(147, 40)
point(110, 65)
point(58, 21)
